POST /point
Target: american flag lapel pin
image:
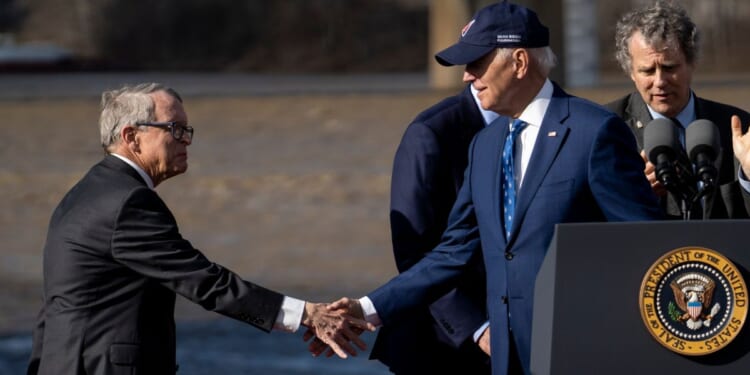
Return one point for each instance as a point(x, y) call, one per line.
point(552, 134)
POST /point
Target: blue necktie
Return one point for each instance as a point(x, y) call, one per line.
point(509, 180)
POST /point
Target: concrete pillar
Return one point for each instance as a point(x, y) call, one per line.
point(582, 44)
point(447, 18)
point(550, 13)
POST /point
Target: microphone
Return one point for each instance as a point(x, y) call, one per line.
point(661, 142)
point(704, 143)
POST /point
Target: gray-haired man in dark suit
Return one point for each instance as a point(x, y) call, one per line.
point(114, 258)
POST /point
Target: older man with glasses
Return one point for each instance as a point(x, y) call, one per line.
point(114, 258)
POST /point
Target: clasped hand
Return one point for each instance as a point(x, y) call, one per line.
point(338, 325)
point(335, 326)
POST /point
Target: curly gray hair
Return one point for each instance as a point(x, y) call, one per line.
point(663, 25)
point(127, 106)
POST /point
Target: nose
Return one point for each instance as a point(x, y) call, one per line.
point(660, 78)
point(468, 76)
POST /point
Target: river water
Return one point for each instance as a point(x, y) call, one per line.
point(226, 347)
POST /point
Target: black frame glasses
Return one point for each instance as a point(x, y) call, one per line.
point(178, 131)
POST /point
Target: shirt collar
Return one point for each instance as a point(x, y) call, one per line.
point(488, 116)
point(533, 114)
point(685, 117)
point(138, 169)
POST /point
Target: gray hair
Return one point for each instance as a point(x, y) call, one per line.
point(543, 56)
point(663, 25)
point(127, 106)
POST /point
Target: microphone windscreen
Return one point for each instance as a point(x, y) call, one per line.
point(660, 137)
point(702, 136)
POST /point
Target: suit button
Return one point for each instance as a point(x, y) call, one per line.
point(447, 326)
point(508, 255)
point(505, 299)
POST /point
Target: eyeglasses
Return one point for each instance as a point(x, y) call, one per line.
point(178, 131)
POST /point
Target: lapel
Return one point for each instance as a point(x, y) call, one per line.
point(637, 116)
point(552, 134)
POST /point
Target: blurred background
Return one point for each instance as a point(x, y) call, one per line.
point(298, 108)
point(317, 36)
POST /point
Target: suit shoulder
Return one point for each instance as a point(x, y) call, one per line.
point(441, 112)
point(619, 106)
point(589, 108)
point(714, 109)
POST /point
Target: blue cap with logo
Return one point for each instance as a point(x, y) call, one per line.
point(500, 25)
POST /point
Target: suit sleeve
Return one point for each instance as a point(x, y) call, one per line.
point(440, 268)
point(616, 175)
point(36, 346)
point(146, 240)
point(417, 209)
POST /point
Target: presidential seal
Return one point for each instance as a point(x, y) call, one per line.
point(693, 301)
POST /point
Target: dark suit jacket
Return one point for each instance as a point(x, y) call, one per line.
point(584, 168)
point(427, 174)
point(729, 200)
point(113, 261)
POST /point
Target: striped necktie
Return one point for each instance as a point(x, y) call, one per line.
point(509, 180)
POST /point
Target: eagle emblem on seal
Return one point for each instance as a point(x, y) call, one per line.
point(693, 295)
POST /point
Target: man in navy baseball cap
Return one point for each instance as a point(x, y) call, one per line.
point(549, 158)
point(501, 25)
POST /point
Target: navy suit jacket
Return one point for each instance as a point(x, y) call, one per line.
point(114, 260)
point(428, 171)
point(729, 200)
point(584, 168)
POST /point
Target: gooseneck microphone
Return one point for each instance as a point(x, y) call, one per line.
point(661, 142)
point(704, 144)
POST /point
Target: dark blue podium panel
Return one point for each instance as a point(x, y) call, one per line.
point(588, 300)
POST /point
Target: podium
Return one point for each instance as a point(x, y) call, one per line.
point(587, 302)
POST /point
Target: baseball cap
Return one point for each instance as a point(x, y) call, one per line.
point(500, 25)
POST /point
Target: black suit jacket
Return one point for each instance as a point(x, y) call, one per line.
point(729, 200)
point(428, 171)
point(113, 261)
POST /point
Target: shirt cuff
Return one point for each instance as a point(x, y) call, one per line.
point(371, 315)
point(743, 180)
point(478, 333)
point(290, 315)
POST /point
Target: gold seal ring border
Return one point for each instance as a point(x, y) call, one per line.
point(654, 325)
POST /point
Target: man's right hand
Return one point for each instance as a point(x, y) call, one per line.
point(650, 173)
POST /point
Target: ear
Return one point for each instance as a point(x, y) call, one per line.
point(129, 136)
point(520, 58)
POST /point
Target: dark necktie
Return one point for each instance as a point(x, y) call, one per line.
point(509, 180)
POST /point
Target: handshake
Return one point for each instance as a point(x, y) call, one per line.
point(334, 327)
